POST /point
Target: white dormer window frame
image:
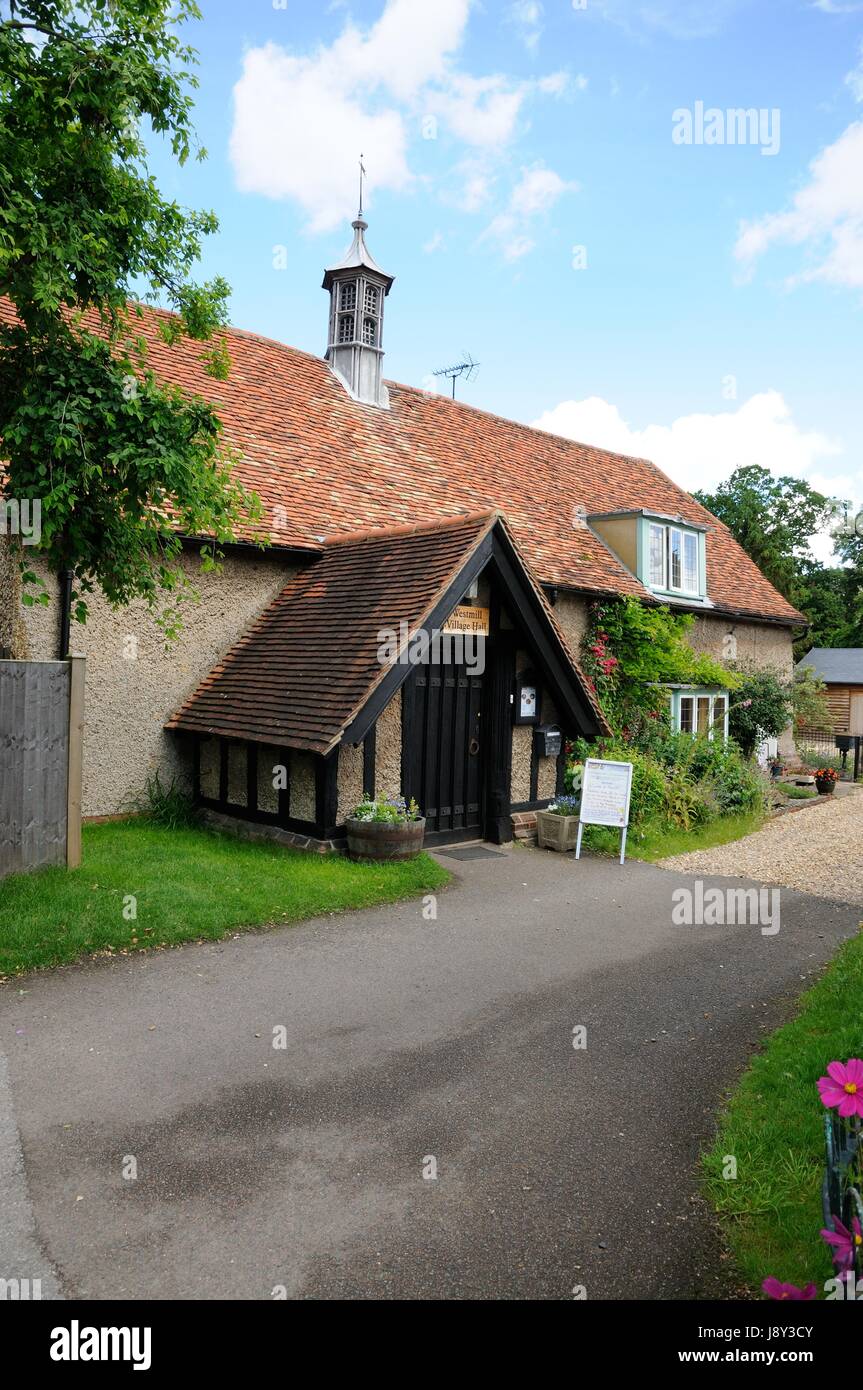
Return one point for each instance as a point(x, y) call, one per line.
point(673, 560)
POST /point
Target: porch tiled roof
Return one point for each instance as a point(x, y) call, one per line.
point(309, 663)
point(325, 464)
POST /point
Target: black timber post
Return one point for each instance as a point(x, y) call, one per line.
point(327, 794)
point(409, 735)
point(498, 731)
point(369, 748)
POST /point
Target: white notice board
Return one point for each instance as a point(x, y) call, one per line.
point(605, 791)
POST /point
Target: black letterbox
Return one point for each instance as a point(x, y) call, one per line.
point(546, 740)
point(844, 742)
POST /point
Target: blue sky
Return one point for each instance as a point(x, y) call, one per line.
point(717, 319)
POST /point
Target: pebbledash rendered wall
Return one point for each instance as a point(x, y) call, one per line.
point(133, 682)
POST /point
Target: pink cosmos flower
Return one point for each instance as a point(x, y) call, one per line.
point(774, 1289)
point(845, 1243)
point(842, 1087)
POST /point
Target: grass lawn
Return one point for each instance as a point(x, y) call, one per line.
point(188, 884)
point(652, 842)
point(773, 1126)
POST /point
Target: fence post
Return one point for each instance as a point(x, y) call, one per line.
point(77, 667)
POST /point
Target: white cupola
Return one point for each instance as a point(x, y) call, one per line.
point(355, 344)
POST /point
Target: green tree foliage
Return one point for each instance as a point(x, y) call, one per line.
point(775, 521)
point(121, 464)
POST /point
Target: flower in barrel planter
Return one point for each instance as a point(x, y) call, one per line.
point(825, 779)
point(384, 828)
point(557, 825)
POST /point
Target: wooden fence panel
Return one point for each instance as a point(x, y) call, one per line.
point(34, 763)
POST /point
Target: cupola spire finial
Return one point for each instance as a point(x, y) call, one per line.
point(358, 287)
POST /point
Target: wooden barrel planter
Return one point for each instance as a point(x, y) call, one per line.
point(380, 842)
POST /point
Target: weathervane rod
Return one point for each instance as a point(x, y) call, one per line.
point(362, 171)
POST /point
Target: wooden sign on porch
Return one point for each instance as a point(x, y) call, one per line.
point(605, 791)
point(466, 619)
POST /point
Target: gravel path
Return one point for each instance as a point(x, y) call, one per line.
point(818, 850)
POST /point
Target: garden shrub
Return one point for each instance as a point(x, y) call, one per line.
point(687, 803)
point(737, 785)
point(761, 709)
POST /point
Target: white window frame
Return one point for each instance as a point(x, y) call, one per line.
point(693, 537)
point(666, 582)
point(692, 696)
point(657, 526)
point(690, 700)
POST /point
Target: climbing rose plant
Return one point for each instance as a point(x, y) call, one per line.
point(630, 651)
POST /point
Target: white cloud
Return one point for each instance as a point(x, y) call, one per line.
point(300, 121)
point(699, 451)
point(680, 19)
point(434, 243)
point(826, 218)
point(526, 18)
point(839, 6)
point(278, 102)
point(479, 110)
point(537, 191)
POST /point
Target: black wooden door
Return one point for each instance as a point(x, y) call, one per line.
point(443, 757)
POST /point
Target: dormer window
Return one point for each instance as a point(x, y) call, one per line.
point(673, 562)
point(346, 328)
point(667, 553)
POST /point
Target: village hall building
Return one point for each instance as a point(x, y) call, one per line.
point(392, 510)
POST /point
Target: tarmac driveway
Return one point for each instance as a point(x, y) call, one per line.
point(410, 1044)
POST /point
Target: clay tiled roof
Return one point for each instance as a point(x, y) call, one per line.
point(308, 665)
point(324, 465)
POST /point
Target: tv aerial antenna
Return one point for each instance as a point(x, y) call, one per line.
point(465, 370)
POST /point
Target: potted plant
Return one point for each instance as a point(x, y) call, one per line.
point(825, 780)
point(385, 828)
point(557, 825)
point(777, 767)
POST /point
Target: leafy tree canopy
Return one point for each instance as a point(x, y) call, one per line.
point(119, 462)
point(775, 521)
